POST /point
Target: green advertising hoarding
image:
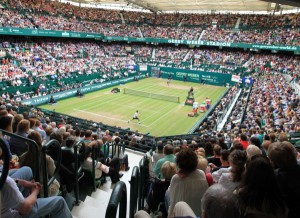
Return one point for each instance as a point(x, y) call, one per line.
point(68, 34)
point(71, 93)
point(205, 43)
point(48, 33)
point(217, 79)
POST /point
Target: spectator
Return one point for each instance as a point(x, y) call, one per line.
point(169, 156)
point(258, 193)
point(188, 185)
point(28, 159)
point(283, 156)
point(14, 203)
point(18, 146)
point(237, 160)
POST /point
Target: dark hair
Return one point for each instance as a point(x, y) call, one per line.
point(259, 188)
point(225, 155)
point(208, 149)
point(238, 158)
point(70, 142)
point(88, 133)
point(255, 141)
point(5, 122)
point(244, 137)
point(187, 161)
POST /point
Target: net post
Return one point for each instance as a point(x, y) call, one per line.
point(124, 92)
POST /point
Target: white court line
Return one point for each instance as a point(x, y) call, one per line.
point(156, 112)
point(111, 118)
point(104, 100)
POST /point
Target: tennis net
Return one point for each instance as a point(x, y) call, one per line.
point(171, 98)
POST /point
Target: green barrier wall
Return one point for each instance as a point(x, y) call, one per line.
point(67, 34)
point(217, 79)
point(49, 33)
point(205, 43)
point(72, 92)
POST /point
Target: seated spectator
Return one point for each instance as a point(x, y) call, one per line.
point(18, 146)
point(68, 163)
point(258, 193)
point(14, 204)
point(159, 188)
point(121, 154)
point(244, 141)
point(169, 156)
point(6, 124)
point(114, 164)
point(158, 153)
point(224, 161)
point(52, 100)
point(217, 201)
point(28, 159)
point(237, 160)
point(188, 185)
point(252, 150)
point(283, 156)
point(216, 158)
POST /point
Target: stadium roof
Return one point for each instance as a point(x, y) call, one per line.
point(198, 5)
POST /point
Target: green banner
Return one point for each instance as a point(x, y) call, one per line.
point(217, 79)
point(49, 33)
point(67, 34)
point(72, 92)
point(205, 43)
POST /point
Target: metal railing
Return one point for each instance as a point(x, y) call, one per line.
point(47, 183)
point(36, 166)
point(117, 199)
point(220, 119)
point(144, 173)
point(78, 170)
point(134, 189)
point(5, 157)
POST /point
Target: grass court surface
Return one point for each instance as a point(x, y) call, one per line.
point(158, 117)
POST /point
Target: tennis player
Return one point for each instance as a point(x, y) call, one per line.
point(136, 116)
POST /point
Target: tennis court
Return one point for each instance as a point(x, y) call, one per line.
point(157, 116)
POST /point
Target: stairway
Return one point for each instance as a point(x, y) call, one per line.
point(122, 18)
point(237, 23)
point(202, 33)
point(94, 206)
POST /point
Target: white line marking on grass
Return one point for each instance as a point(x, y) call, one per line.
point(120, 95)
point(111, 118)
point(159, 111)
point(163, 116)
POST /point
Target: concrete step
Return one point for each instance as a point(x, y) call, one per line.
point(101, 195)
point(95, 202)
point(84, 210)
